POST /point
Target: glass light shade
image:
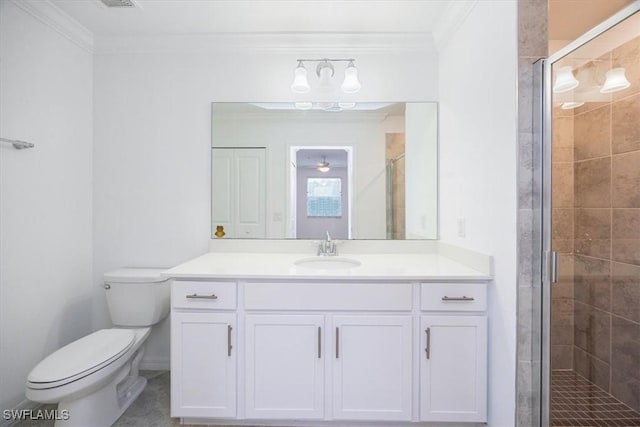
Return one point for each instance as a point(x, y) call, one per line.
point(325, 73)
point(351, 83)
point(300, 83)
point(323, 167)
point(304, 105)
point(346, 105)
point(615, 81)
point(565, 81)
point(571, 105)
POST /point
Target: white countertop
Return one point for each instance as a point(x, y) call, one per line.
point(382, 266)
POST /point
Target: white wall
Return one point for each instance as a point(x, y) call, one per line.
point(421, 171)
point(152, 136)
point(478, 172)
point(45, 196)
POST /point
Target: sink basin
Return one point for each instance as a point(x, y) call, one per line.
point(327, 263)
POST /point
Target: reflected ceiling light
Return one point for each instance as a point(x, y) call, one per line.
point(304, 105)
point(571, 105)
point(346, 105)
point(325, 72)
point(323, 166)
point(615, 81)
point(300, 83)
point(565, 81)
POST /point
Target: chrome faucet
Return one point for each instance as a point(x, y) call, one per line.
point(327, 247)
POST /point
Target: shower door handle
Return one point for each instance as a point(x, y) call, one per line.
point(554, 266)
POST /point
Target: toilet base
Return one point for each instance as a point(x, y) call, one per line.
point(103, 407)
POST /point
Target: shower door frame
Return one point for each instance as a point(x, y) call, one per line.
point(545, 131)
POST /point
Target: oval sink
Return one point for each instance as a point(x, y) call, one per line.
point(327, 263)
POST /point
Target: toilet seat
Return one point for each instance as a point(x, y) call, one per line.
point(81, 358)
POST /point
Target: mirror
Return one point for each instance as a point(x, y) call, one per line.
point(357, 171)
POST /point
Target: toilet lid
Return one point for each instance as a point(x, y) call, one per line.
point(81, 357)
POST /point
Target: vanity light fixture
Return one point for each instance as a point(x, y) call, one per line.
point(615, 81)
point(325, 72)
point(304, 105)
point(565, 80)
point(571, 105)
point(323, 166)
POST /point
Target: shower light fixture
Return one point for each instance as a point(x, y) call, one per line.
point(615, 81)
point(323, 166)
point(565, 80)
point(325, 72)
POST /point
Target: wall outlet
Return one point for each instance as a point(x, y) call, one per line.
point(462, 227)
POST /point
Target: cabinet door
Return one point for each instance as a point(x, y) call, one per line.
point(284, 366)
point(453, 368)
point(203, 365)
point(372, 367)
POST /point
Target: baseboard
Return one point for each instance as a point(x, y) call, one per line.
point(22, 406)
point(154, 364)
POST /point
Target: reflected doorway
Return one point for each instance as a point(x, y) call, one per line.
point(320, 192)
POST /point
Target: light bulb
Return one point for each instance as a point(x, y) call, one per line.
point(351, 83)
point(304, 105)
point(571, 105)
point(346, 105)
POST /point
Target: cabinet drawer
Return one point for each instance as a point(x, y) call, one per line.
point(453, 296)
point(203, 295)
point(328, 296)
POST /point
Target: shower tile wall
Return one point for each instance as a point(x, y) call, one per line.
point(605, 235)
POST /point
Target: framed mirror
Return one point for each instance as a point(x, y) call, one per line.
point(355, 170)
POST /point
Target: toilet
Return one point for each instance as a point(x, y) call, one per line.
point(95, 378)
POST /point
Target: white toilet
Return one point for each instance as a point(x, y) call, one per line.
point(96, 377)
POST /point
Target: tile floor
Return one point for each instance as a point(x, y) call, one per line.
point(150, 409)
point(575, 401)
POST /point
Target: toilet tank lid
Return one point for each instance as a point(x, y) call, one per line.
point(135, 275)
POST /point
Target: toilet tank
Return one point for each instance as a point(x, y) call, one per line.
point(137, 296)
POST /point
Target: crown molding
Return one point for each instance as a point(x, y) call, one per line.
point(51, 15)
point(285, 43)
point(451, 20)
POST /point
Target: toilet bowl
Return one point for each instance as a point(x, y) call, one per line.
point(95, 378)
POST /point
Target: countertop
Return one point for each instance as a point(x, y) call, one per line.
point(382, 266)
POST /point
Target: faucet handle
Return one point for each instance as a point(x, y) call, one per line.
point(328, 236)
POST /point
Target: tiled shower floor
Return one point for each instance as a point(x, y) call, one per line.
point(575, 401)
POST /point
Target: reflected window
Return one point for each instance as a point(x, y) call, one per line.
point(324, 197)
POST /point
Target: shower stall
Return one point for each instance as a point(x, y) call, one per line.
point(590, 220)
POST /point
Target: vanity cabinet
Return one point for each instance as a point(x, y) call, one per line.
point(203, 349)
point(344, 351)
point(285, 362)
point(372, 367)
point(453, 361)
point(203, 365)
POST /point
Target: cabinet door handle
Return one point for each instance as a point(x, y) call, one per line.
point(462, 298)
point(427, 347)
point(196, 296)
point(319, 342)
point(337, 343)
point(229, 346)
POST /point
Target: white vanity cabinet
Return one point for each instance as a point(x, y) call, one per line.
point(335, 351)
point(285, 363)
point(453, 366)
point(203, 354)
point(372, 367)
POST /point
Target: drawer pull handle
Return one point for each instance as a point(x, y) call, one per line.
point(337, 343)
point(196, 296)
point(229, 346)
point(462, 298)
point(319, 342)
point(427, 347)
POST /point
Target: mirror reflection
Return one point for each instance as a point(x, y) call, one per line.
point(354, 170)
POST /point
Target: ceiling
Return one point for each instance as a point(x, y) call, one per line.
point(173, 17)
